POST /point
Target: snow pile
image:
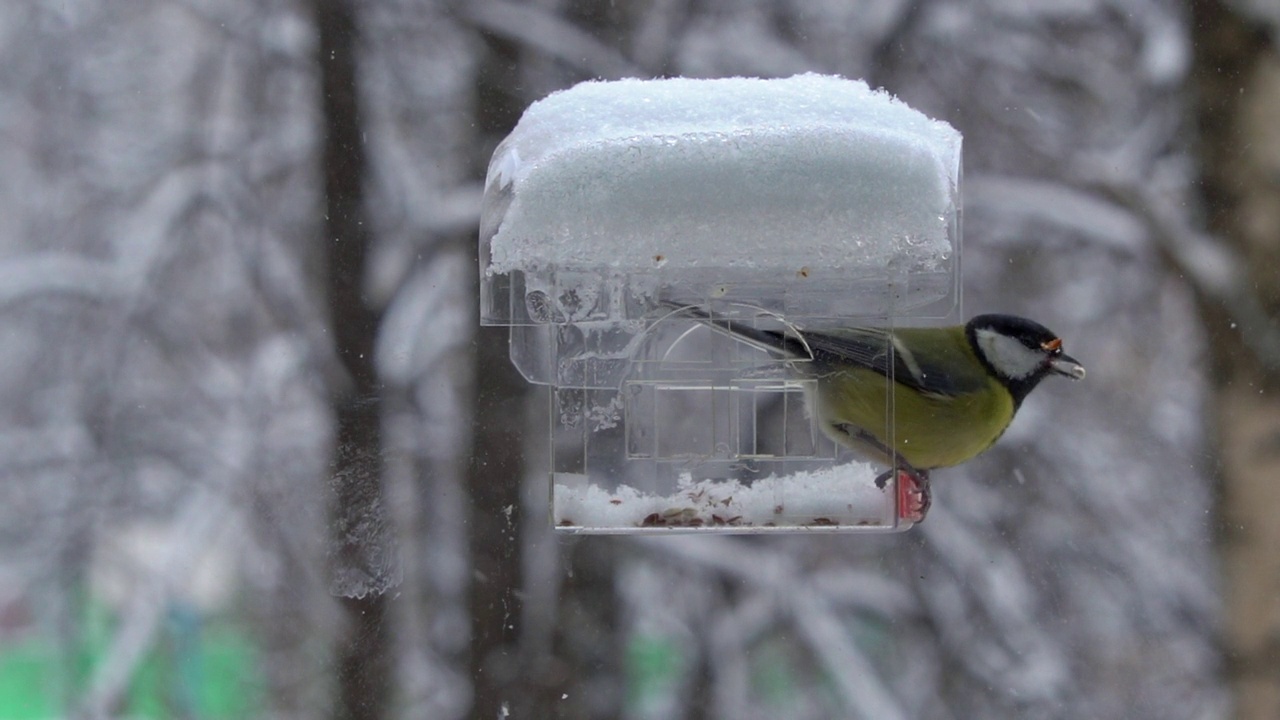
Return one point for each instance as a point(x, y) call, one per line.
point(809, 171)
point(843, 496)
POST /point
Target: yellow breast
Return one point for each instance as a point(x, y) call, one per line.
point(927, 431)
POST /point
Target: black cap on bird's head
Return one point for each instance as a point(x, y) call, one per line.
point(1019, 352)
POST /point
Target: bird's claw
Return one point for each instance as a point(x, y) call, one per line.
point(914, 497)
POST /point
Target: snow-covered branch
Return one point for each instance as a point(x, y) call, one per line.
point(550, 34)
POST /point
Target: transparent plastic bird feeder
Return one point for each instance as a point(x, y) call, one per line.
point(805, 202)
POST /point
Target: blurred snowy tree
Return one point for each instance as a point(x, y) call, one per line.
point(164, 247)
point(165, 338)
point(163, 267)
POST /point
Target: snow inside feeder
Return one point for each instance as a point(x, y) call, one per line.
point(809, 201)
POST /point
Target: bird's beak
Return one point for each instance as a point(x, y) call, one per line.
point(1067, 366)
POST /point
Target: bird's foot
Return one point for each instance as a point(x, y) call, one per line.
point(914, 497)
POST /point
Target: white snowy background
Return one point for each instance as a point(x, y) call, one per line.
point(168, 425)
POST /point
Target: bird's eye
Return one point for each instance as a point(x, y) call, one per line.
point(1052, 346)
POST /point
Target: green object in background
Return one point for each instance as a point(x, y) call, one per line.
point(773, 678)
point(654, 664)
point(25, 690)
point(218, 680)
point(193, 670)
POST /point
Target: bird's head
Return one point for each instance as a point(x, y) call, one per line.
point(1019, 352)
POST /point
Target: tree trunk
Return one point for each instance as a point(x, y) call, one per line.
point(1238, 72)
point(357, 523)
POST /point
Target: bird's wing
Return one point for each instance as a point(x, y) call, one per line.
point(946, 370)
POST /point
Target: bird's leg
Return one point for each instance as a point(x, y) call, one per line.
point(914, 496)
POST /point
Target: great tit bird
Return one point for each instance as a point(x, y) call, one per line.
point(954, 389)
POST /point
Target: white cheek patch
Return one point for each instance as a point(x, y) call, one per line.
point(1008, 356)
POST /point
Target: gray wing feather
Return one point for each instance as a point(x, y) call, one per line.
point(946, 372)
